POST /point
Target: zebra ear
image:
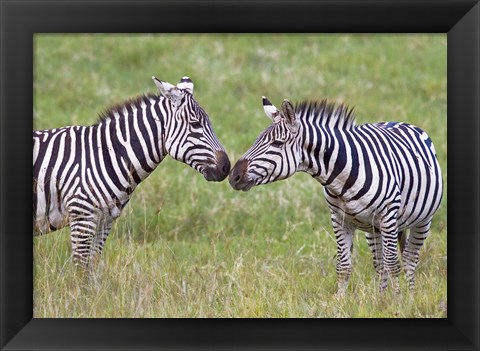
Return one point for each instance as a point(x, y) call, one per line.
point(168, 90)
point(289, 114)
point(164, 87)
point(270, 110)
point(186, 84)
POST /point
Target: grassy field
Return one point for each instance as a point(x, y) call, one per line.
point(184, 247)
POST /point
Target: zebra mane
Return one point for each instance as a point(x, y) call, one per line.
point(109, 112)
point(326, 113)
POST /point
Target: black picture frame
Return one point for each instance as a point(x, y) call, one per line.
point(21, 19)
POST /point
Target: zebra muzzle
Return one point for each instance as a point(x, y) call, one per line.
point(238, 177)
point(219, 171)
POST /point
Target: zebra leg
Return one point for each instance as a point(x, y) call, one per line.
point(88, 235)
point(415, 240)
point(82, 233)
point(402, 240)
point(103, 229)
point(374, 241)
point(391, 261)
point(344, 238)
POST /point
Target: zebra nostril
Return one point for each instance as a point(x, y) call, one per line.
point(238, 172)
point(226, 168)
point(223, 163)
point(226, 165)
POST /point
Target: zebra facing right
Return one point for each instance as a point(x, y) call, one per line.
point(83, 176)
point(381, 178)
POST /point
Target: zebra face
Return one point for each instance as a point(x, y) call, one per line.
point(275, 155)
point(189, 136)
point(201, 148)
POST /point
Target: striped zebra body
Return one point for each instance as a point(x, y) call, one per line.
point(381, 178)
point(83, 176)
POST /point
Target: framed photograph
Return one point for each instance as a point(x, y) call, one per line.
point(212, 267)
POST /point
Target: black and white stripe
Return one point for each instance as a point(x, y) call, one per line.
point(381, 178)
point(84, 176)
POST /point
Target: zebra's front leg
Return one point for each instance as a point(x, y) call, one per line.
point(391, 262)
point(414, 242)
point(344, 238)
point(374, 241)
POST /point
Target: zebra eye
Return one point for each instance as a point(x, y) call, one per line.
point(277, 143)
point(196, 124)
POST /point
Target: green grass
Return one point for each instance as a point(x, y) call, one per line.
point(184, 247)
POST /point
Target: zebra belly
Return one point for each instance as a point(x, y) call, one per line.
point(349, 215)
point(364, 222)
point(360, 214)
point(370, 219)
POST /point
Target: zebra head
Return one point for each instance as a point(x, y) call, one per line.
point(275, 155)
point(189, 136)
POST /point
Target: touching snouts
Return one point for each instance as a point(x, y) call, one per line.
point(238, 177)
point(221, 169)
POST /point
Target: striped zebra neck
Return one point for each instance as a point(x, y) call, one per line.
point(325, 114)
point(320, 122)
point(136, 129)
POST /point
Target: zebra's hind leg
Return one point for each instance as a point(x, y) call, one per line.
point(88, 234)
point(385, 258)
point(103, 229)
point(344, 238)
point(414, 242)
point(402, 240)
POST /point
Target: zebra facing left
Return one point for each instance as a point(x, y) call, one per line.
point(381, 178)
point(83, 176)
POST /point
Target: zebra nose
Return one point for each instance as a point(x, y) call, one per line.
point(236, 175)
point(220, 169)
point(223, 163)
